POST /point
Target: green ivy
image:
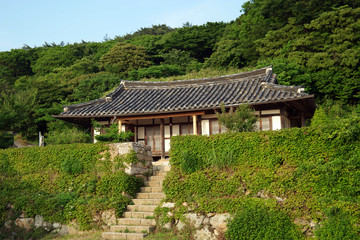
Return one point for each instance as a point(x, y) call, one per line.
point(65, 182)
point(300, 171)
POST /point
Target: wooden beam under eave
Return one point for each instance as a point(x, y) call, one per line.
point(187, 114)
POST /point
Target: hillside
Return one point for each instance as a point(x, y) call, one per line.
point(289, 184)
point(286, 184)
point(309, 44)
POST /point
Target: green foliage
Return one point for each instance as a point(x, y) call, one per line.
point(311, 169)
point(156, 72)
point(112, 134)
point(67, 136)
point(6, 139)
point(16, 111)
point(63, 183)
point(321, 55)
point(123, 58)
point(190, 162)
point(198, 41)
point(115, 184)
point(72, 166)
point(93, 86)
point(337, 226)
point(242, 120)
point(258, 222)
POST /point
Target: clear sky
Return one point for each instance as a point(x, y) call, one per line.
point(34, 22)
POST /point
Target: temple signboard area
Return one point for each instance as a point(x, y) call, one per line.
point(155, 111)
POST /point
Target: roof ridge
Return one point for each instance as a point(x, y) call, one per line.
point(199, 81)
point(274, 86)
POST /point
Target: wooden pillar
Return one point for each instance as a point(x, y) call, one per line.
point(195, 132)
point(119, 126)
point(162, 137)
point(302, 119)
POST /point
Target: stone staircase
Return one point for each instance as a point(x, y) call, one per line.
point(138, 219)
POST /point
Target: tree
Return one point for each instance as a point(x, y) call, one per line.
point(123, 58)
point(242, 120)
point(326, 51)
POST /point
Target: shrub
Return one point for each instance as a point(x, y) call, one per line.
point(337, 226)
point(112, 134)
point(67, 136)
point(6, 140)
point(191, 163)
point(72, 166)
point(257, 222)
point(156, 72)
point(115, 184)
point(242, 120)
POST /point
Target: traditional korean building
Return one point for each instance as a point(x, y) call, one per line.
point(155, 111)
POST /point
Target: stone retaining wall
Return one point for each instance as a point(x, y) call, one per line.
point(142, 169)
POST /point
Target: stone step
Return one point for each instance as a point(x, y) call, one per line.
point(156, 178)
point(151, 189)
point(126, 236)
point(138, 214)
point(132, 228)
point(150, 195)
point(146, 201)
point(141, 208)
point(136, 221)
point(153, 184)
point(161, 168)
point(159, 173)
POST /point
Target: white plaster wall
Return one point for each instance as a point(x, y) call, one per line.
point(205, 127)
point(276, 122)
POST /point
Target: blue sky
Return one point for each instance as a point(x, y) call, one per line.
point(34, 22)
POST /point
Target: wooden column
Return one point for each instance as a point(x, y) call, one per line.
point(119, 126)
point(162, 137)
point(195, 132)
point(302, 119)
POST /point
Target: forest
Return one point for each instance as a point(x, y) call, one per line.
point(309, 43)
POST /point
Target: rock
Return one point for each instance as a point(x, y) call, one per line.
point(206, 221)
point(167, 226)
point(180, 225)
point(313, 224)
point(194, 219)
point(39, 221)
point(203, 234)
point(168, 205)
point(279, 199)
point(56, 225)
point(301, 222)
point(8, 224)
point(219, 221)
point(26, 223)
point(108, 217)
point(262, 194)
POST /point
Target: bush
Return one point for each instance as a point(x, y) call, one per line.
point(6, 140)
point(242, 120)
point(112, 134)
point(67, 136)
point(156, 72)
point(310, 169)
point(257, 222)
point(337, 226)
point(64, 182)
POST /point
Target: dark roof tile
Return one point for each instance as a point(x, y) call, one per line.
point(136, 97)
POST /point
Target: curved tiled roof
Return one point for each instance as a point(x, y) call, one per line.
point(141, 98)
